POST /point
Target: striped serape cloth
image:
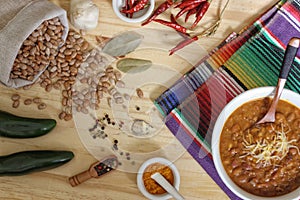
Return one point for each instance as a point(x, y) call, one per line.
point(243, 61)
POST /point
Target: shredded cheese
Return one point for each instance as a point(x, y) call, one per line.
point(267, 152)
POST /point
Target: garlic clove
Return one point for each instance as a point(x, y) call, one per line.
point(84, 14)
point(141, 128)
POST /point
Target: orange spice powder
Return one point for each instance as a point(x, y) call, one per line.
point(151, 186)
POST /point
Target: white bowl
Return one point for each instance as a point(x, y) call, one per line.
point(249, 95)
point(138, 16)
point(140, 182)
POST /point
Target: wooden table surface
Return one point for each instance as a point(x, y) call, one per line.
point(53, 184)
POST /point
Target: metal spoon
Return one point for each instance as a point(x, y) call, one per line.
point(167, 186)
point(288, 59)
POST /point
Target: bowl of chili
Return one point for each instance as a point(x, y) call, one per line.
point(247, 171)
point(133, 11)
point(148, 187)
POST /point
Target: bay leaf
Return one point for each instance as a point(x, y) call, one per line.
point(133, 65)
point(123, 44)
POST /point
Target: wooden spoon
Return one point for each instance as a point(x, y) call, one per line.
point(95, 171)
point(288, 59)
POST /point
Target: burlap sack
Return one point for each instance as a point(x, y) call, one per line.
point(18, 19)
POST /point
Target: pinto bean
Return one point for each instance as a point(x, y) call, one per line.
point(280, 117)
point(291, 117)
point(237, 171)
point(235, 128)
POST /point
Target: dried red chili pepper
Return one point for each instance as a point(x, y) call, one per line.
point(186, 9)
point(160, 9)
point(182, 44)
point(131, 4)
point(126, 7)
point(189, 13)
point(172, 18)
point(187, 3)
point(202, 10)
point(173, 25)
point(139, 6)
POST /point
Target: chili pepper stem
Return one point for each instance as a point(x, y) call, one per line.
point(189, 31)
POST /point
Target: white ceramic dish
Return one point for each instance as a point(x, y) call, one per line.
point(138, 16)
point(140, 182)
point(252, 94)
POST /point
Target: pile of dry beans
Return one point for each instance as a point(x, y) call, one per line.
point(69, 64)
point(38, 50)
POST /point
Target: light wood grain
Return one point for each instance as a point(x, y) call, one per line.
point(53, 184)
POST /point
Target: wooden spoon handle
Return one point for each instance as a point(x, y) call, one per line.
point(289, 57)
point(80, 178)
point(288, 60)
point(287, 63)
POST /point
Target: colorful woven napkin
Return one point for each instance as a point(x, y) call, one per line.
point(243, 61)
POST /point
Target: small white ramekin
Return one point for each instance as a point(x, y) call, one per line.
point(140, 182)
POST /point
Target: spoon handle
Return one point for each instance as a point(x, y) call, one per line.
point(166, 185)
point(289, 57)
point(288, 60)
point(287, 63)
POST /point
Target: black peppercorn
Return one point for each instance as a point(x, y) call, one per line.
point(115, 146)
